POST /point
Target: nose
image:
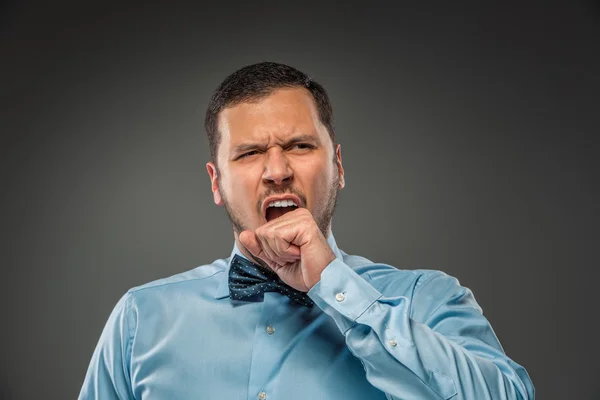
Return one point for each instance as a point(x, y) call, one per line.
point(277, 169)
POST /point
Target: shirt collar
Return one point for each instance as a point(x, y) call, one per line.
point(223, 289)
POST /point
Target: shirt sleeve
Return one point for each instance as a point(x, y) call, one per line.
point(107, 376)
point(434, 344)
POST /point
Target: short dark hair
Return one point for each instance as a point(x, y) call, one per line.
point(255, 82)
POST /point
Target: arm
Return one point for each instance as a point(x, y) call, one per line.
point(108, 373)
point(435, 345)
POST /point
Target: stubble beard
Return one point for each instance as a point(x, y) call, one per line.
point(323, 220)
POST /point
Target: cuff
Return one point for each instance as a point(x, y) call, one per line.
point(343, 294)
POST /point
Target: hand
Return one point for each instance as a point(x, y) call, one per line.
point(292, 246)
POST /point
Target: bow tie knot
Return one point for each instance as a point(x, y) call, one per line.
point(247, 279)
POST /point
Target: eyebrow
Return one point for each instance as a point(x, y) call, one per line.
point(240, 148)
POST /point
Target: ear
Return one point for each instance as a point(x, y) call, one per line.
point(214, 183)
point(338, 157)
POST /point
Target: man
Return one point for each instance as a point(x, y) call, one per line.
point(289, 315)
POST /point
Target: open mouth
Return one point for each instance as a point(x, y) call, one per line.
point(276, 209)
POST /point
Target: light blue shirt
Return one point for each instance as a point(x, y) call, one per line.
point(375, 332)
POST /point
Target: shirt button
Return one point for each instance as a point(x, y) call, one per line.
point(270, 331)
point(262, 396)
point(393, 343)
point(340, 297)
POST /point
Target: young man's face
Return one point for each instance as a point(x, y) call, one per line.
point(271, 149)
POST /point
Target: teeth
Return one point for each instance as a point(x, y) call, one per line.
point(282, 203)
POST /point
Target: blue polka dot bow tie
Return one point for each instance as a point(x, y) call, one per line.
point(247, 279)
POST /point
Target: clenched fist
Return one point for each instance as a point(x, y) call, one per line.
point(292, 246)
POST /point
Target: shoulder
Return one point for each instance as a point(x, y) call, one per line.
point(385, 276)
point(426, 289)
point(198, 277)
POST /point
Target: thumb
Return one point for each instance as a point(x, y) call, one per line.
point(250, 242)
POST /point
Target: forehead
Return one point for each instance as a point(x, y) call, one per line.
point(281, 114)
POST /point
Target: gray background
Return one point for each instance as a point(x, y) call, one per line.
point(469, 139)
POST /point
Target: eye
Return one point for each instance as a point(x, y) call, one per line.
point(248, 154)
point(302, 146)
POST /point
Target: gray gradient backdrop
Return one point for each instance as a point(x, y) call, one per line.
point(469, 139)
